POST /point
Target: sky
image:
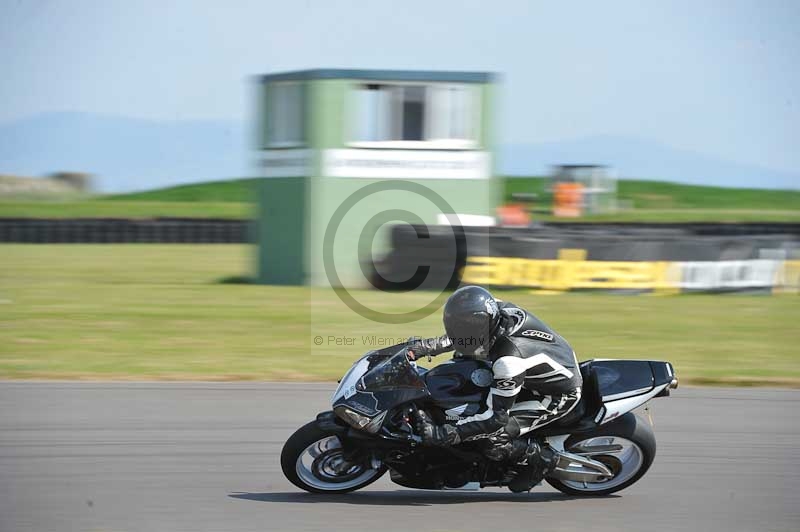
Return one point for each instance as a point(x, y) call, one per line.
point(719, 78)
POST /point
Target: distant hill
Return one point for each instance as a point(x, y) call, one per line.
point(230, 191)
point(124, 153)
point(640, 159)
point(128, 154)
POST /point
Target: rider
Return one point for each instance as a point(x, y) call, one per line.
point(524, 354)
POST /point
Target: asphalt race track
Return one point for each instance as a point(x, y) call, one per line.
point(204, 456)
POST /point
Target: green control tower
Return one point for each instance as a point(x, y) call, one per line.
point(325, 135)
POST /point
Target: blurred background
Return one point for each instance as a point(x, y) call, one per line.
point(170, 175)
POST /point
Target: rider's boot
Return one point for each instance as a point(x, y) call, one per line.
point(538, 461)
point(507, 450)
point(505, 445)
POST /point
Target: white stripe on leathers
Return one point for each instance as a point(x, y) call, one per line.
point(510, 366)
point(507, 367)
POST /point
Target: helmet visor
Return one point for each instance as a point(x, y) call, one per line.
point(472, 334)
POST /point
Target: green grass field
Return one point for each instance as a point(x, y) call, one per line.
point(160, 312)
point(232, 191)
point(650, 201)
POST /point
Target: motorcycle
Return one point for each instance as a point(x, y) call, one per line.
point(599, 448)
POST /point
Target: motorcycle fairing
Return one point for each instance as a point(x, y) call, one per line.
point(379, 381)
point(623, 385)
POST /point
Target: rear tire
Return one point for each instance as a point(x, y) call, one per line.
point(630, 428)
point(310, 456)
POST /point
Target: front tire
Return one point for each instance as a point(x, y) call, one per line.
point(312, 459)
point(629, 465)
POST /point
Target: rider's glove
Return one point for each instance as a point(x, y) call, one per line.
point(438, 435)
point(418, 347)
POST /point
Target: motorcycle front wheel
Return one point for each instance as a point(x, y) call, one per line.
point(313, 460)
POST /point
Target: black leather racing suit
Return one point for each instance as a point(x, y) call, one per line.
point(528, 355)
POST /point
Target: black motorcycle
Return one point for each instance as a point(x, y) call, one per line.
point(599, 448)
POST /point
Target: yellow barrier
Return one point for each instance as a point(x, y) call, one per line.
point(562, 275)
point(787, 278)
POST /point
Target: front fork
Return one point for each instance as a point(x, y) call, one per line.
point(352, 453)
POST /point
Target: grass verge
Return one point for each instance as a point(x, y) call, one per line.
point(159, 312)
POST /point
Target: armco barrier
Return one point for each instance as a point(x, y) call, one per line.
point(116, 230)
point(604, 242)
point(640, 258)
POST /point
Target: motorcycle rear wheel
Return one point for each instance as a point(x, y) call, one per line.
point(629, 465)
point(312, 459)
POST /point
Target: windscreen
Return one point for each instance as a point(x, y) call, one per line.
point(394, 372)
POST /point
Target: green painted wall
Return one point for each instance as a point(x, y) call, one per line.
point(487, 140)
point(329, 111)
point(282, 219)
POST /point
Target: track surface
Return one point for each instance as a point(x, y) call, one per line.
point(204, 456)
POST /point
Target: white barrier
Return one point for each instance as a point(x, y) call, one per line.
point(728, 274)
